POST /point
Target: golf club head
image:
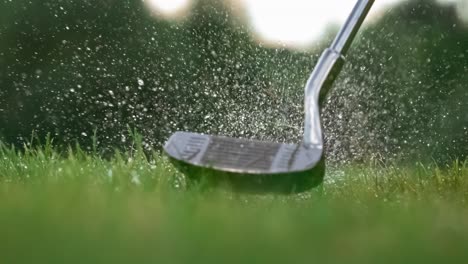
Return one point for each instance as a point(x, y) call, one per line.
point(248, 165)
point(267, 166)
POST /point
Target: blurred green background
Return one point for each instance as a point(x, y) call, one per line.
point(75, 68)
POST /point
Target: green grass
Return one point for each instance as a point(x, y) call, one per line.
point(81, 208)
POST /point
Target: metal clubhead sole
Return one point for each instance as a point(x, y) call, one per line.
point(246, 163)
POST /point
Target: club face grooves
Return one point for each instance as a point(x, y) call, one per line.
point(244, 162)
point(240, 154)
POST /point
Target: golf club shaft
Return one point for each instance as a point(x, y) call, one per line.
point(350, 28)
point(325, 72)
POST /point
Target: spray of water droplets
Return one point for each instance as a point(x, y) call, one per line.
point(101, 68)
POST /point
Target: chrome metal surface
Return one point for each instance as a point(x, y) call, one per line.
point(241, 155)
point(327, 69)
point(350, 28)
point(320, 81)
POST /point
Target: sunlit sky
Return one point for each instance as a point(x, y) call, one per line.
point(169, 8)
point(298, 22)
point(290, 22)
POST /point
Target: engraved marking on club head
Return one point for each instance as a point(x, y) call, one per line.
point(293, 156)
point(284, 156)
point(193, 147)
point(174, 146)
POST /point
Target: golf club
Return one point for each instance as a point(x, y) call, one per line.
point(268, 166)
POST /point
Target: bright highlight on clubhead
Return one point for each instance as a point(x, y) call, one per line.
point(259, 166)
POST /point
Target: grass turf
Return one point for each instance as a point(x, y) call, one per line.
point(81, 208)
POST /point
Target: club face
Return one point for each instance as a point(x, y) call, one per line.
point(245, 162)
point(241, 155)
